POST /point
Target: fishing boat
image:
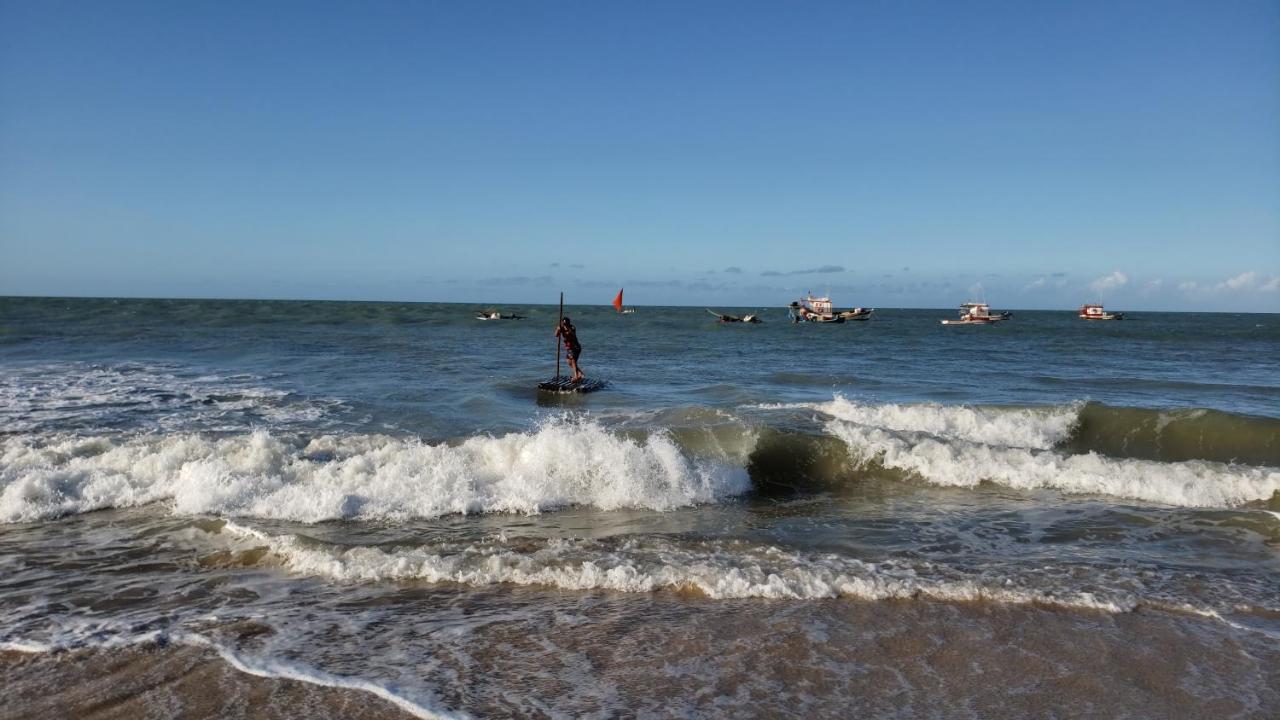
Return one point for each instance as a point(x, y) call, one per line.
point(1095, 312)
point(725, 318)
point(972, 313)
point(820, 310)
point(495, 315)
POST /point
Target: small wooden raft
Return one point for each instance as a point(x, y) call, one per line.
point(565, 385)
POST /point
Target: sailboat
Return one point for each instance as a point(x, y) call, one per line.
point(617, 304)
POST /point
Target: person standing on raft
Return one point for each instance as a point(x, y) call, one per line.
point(572, 348)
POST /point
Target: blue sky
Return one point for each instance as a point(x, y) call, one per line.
point(896, 154)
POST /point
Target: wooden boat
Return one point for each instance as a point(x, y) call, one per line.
point(617, 305)
point(495, 315)
point(566, 385)
point(723, 318)
point(1095, 312)
point(972, 313)
point(820, 310)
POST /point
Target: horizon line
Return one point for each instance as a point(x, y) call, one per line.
point(1126, 309)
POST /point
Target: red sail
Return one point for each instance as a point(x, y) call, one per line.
point(617, 302)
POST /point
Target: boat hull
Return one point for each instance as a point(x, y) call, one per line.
point(988, 320)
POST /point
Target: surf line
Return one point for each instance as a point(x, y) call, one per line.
point(269, 668)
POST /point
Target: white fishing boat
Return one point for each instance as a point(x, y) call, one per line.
point(1095, 312)
point(972, 313)
point(820, 310)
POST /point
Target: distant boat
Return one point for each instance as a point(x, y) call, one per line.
point(495, 315)
point(820, 310)
point(972, 313)
point(617, 304)
point(1095, 312)
point(723, 318)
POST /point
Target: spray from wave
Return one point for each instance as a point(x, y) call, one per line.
point(1125, 432)
point(1039, 428)
point(356, 476)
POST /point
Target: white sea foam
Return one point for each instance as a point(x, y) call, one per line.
point(153, 396)
point(1040, 428)
point(355, 476)
point(73, 634)
point(649, 565)
point(965, 464)
point(275, 668)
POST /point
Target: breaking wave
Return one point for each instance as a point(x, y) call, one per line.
point(1015, 427)
point(1175, 435)
point(1193, 458)
point(1082, 427)
point(1194, 483)
point(1060, 448)
point(334, 477)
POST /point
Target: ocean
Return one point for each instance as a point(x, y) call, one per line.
point(334, 509)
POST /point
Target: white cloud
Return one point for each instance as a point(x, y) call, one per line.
point(1036, 284)
point(1272, 285)
point(1110, 282)
point(1243, 281)
point(1189, 286)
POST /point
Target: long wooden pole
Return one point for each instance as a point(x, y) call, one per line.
point(558, 338)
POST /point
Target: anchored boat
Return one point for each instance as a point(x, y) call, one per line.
point(972, 313)
point(617, 304)
point(1095, 312)
point(820, 310)
point(495, 315)
point(725, 318)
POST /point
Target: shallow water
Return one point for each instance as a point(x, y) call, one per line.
point(375, 492)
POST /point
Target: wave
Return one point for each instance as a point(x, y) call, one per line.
point(661, 461)
point(644, 566)
point(359, 476)
point(1080, 427)
point(1192, 458)
point(1195, 483)
point(1016, 427)
point(1174, 435)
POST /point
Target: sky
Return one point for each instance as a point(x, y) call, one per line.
point(892, 154)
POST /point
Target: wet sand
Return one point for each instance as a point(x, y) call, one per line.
point(667, 657)
point(167, 682)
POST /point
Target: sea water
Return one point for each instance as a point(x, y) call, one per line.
point(892, 517)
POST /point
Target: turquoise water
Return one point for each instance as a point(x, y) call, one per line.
point(381, 486)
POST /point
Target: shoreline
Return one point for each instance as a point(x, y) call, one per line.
point(169, 681)
point(827, 657)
